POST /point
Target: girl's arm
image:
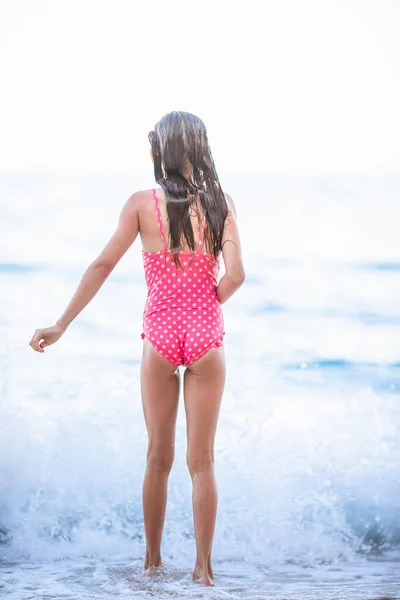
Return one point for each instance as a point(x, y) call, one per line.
point(232, 254)
point(95, 275)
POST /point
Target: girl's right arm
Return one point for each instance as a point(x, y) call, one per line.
point(231, 252)
point(95, 275)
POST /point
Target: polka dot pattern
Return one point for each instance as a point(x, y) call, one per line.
point(182, 316)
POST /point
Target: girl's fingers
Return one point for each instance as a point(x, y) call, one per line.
point(34, 343)
point(43, 338)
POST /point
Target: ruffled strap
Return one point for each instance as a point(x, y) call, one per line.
point(159, 219)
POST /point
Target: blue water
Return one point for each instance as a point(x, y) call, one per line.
point(307, 448)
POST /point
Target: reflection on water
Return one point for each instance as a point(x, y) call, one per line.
point(307, 449)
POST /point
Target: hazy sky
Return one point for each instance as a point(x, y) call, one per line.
point(283, 86)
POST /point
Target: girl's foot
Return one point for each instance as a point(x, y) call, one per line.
point(151, 567)
point(204, 575)
point(152, 570)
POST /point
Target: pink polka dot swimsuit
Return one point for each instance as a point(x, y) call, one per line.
point(182, 316)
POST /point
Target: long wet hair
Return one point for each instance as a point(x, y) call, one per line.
point(185, 169)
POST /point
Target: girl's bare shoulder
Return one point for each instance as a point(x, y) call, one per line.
point(141, 199)
point(230, 203)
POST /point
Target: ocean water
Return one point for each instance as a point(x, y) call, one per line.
point(308, 442)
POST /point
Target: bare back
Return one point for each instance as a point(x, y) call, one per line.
point(148, 228)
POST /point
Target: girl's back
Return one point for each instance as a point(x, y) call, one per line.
point(182, 316)
point(148, 226)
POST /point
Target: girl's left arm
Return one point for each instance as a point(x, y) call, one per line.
point(95, 275)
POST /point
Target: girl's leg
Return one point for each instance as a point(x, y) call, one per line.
point(203, 387)
point(160, 395)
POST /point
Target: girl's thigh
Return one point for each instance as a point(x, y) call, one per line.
point(160, 382)
point(204, 382)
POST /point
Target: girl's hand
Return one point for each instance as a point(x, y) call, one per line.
point(49, 335)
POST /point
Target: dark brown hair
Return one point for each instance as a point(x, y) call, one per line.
point(185, 169)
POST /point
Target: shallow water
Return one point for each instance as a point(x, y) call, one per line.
point(360, 580)
point(307, 448)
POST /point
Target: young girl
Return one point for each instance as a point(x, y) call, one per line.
point(184, 226)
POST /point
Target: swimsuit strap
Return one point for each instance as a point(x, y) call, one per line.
point(159, 220)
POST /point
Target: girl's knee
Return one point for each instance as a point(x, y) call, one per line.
point(161, 458)
point(198, 462)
